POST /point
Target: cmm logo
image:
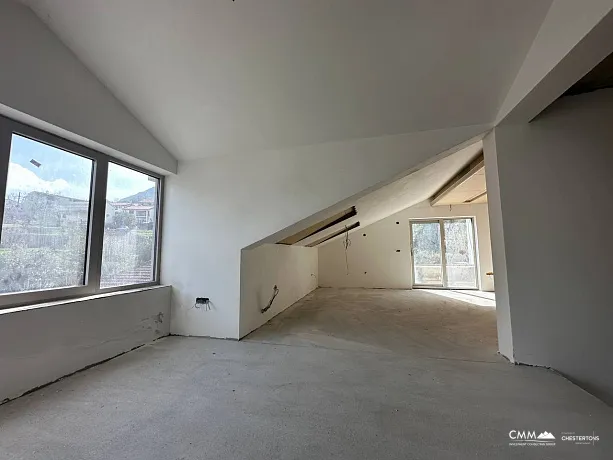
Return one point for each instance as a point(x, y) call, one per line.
point(530, 437)
point(522, 435)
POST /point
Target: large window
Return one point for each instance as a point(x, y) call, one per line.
point(74, 221)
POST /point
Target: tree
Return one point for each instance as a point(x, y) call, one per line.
point(123, 219)
point(40, 248)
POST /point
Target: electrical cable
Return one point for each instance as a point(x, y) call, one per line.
point(202, 301)
point(275, 292)
point(346, 244)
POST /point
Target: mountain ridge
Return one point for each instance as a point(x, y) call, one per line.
point(145, 195)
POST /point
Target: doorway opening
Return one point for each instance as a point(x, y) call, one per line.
point(443, 253)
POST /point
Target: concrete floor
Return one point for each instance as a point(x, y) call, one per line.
point(417, 323)
point(313, 395)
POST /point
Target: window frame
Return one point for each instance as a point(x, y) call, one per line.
point(444, 281)
point(96, 215)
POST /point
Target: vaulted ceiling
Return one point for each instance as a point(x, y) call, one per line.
point(383, 201)
point(213, 77)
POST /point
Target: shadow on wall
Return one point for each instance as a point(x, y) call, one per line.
point(281, 273)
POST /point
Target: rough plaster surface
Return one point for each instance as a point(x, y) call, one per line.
point(557, 237)
point(189, 398)
point(40, 345)
point(374, 261)
point(293, 269)
point(42, 78)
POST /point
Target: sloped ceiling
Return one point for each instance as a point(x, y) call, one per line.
point(468, 186)
point(575, 36)
point(214, 77)
point(600, 77)
point(472, 190)
point(404, 192)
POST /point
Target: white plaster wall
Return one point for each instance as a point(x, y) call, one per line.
point(43, 343)
point(573, 38)
point(293, 269)
point(374, 261)
point(42, 83)
point(556, 195)
point(217, 206)
point(503, 313)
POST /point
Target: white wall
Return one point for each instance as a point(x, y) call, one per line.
point(503, 309)
point(374, 261)
point(42, 83)
point(556, 197)
point(217, 206)
point(43, 343)
point(574, 37)
point(293, 269)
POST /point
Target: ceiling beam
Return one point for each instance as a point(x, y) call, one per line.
point(334, 234)
point(476, 197)
point(466, 173)
point(319, 226)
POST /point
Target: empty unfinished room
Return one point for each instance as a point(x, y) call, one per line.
point(306, 229)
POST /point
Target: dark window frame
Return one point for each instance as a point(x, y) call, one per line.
point(96, 215)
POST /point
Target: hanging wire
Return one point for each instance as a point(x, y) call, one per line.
point(346, 244)
point(275, 292)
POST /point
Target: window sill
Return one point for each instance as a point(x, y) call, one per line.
point(55, 303)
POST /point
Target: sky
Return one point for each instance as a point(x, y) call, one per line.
point(64, 173)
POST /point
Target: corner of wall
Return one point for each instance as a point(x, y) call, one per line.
point(47, 88)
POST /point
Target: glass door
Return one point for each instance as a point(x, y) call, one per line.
point(427, 253)
point(443, 253)
point(459, 248)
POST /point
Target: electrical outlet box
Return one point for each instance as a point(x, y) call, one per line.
point(202, 300)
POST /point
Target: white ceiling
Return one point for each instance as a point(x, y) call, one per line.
point(210, 77)
point(416, 187)
point(405, 192)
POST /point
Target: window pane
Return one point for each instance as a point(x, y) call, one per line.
point(460, 254)
point(129, 228)
point(46, 212)
point(427, 253)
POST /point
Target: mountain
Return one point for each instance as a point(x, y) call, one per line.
point(147, 195)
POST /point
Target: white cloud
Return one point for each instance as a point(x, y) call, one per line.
point(123, 182)
point(23, 180)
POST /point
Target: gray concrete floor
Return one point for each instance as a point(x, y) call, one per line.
point(417, 323)
point(310, 394)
